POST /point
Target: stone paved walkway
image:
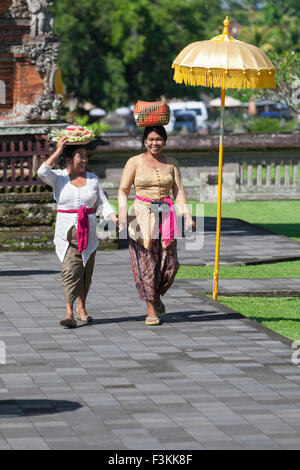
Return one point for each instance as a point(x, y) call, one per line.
point(206, 379)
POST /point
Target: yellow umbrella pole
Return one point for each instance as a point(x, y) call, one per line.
point(218, 231)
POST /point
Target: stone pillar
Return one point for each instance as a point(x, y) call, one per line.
point(209, 187)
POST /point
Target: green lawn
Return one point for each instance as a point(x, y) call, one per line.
point(280, 314)
point(261, 271)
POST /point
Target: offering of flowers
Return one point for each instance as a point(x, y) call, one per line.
point(75, 134)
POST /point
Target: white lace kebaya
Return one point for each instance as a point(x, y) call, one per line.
point(69, 197)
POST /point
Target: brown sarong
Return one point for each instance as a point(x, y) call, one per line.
point(155, 269)
point(75, 278)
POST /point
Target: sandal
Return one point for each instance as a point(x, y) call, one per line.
point(152, 321)
point(68, 322)
point(83, 318)
point(160, 310)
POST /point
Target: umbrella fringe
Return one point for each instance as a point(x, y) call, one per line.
point(220, 78)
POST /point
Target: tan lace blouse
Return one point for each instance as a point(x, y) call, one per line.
point(154, 184)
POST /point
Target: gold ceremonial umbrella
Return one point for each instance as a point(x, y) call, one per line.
point(227, 63)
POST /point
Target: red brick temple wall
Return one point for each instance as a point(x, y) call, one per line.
point(23, 82)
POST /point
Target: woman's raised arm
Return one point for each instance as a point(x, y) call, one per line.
point(45, 171)
point(59, 148)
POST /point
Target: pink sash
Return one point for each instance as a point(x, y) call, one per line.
point(82, 226)
point(169, 228)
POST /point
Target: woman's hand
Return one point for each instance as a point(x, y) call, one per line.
point(189, 223)
point(61, 144)
point(122, 224)
point(114, 218)
point(51, 161)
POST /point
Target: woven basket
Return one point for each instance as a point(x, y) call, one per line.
point(80, 142)
point(147, 114)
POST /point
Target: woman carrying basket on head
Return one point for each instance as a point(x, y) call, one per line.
point(153, 228)
point(76, 192)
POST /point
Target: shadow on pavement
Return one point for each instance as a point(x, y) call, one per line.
point(18, 408)
point(29, 272)
point(198, 316)
point(174, 317)
point(288, 230)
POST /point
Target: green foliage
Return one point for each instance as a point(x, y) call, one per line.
point(279, 11)
point(82, 120)
point(97, 127)
point(244, 95)
point(290, 126)
point(264, 125)
point(287, 65)
point(116, 51)
point(272, 26)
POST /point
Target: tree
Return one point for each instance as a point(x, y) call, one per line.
point(267, 24)
point(280, 11)
point(287, 66)
point(115, 51)
point(89, 69)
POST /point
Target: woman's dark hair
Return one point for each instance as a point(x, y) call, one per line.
point(69, 151)
point(160, 130)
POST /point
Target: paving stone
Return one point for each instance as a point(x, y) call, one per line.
point(203, 380)
point(66, 444)
point(142, 444)
point(28, 443)
point(187, 445)
point(30, 433)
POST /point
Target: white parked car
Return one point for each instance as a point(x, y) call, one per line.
point(201, 112)
point(197, 106)
point(177, 106)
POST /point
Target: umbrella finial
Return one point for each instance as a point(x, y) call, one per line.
point(226, 24)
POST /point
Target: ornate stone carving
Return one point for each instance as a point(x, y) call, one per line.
point(42, 22)
point(47, 108)
point(44, 56)
point(19, 9)
point(42, 50)
point(38, 48)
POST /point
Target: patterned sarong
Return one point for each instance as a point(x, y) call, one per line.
point(154, 270)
